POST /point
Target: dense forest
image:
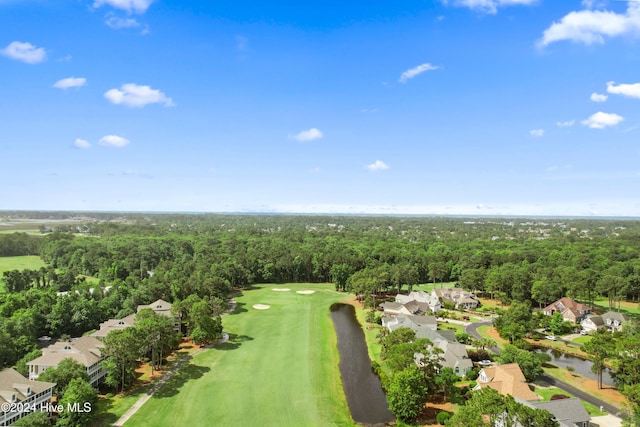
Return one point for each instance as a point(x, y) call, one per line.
point(138, 258)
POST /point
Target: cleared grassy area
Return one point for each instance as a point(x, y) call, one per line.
point(9, 263)
point(279, 368)
point(547, 392)
point(582, 339)
point(626, 307)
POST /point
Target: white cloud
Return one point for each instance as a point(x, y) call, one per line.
point(411, 73)
point(25, 52)
point(81, 143)
point(630, 90)
point(70, 82)
point(113, 141)
point(135, 6)
point(487, 6)
point(117, 23)
point(601, 120)
point(134, 95)
point(555, 168)
point(597, 97)
point(537, 133)
point(378, 165)
point(566, 124)
point(591, 26)
point(308, 135)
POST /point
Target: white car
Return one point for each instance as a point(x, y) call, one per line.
point(485, 362)
point(551, 338)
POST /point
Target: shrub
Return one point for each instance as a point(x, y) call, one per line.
point(442, 417)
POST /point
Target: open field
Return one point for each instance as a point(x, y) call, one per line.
point(279, 367)
point(626, 307)
point(19, 263)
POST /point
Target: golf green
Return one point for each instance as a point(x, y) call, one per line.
point(279, 368)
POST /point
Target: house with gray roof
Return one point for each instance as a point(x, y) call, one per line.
point(428, 302)
point(17, 390)
point(457, 296)
point(84, 350)
point(419, 324)
point(567, 412)
point(611, 321)
point(164, 308)
point(453, 354)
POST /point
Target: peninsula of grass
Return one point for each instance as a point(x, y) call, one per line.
point(8, 263)
point(279, 368)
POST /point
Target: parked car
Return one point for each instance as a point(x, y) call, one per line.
point(551, 338)
point(485, 362)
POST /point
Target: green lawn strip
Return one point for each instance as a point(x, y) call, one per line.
point(547, 392)
point(30, 231)
point(582, 339)
point(455, 327)
point(112, 408)
point(626, 307)
point(27, 262)
point(280, 367)
point(576, 380)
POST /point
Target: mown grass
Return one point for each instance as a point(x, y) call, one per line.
point(279, 368)
point(9, 263)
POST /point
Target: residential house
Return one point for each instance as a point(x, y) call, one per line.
point(162, 307)
point(113, 324)
point(454, 355)
point(419, 324)
point(395, 308)
point(432, 303)
point(571, 311)
point(507, 380)
point(462, 299)
point(84, 350)
point(592, 323)
point(568, 412)
point(611, 321)
point(16, 389)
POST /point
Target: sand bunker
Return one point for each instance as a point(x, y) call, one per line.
point(261, 306)
point(306, 292)
point(281, 289)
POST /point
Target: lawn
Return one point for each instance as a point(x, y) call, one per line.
point(626, 307)
point(19, 263)
point(280, 368)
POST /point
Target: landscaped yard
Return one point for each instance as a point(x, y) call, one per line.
point(280, 367)
point(18, 263)
point(547, 392)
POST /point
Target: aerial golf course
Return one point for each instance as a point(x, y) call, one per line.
point(279, 367)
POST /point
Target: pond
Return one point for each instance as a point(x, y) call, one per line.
point(366, 399)
point(582, 367)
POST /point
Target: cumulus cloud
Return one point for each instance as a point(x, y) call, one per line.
point(70, 82)
point(411, 73)
point(597, 97)
point(487, 6)
point(113, 141)
point(131, 6)
point(537, 133)
point(117, 23)
point(629, 90)
point(308, 135)
point(566, 124)
point(378, 165)
point(133, 95)
point(601, 120)
point(25, 52)
point(592, 26)
point(81, 143)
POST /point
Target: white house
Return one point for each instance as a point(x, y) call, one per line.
point(457, 296)
point(84, 350)
point(16, 389)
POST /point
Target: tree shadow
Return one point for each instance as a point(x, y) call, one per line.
point(180, 378)
point(240, 308)
point(234, 342)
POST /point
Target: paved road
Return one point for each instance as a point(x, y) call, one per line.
point(473, 331)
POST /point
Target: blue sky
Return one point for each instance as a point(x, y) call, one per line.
point(478, 107)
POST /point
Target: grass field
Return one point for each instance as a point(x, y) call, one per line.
point(18, 263)
point(279, 368)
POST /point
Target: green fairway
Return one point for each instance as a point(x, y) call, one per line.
point(18, 263)
point(279, 368)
